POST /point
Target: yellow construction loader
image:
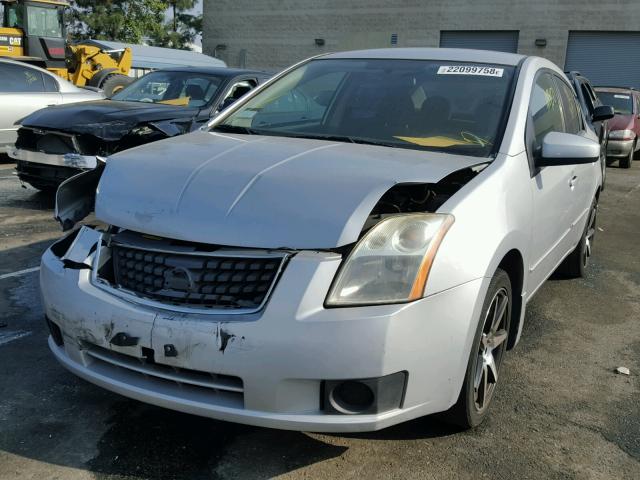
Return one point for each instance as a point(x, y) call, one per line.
point(33, 31)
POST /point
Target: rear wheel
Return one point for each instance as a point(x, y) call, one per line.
point(114, 83)
point(487, 352)
point(575, 265)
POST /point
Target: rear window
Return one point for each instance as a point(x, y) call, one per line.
point(622, 103)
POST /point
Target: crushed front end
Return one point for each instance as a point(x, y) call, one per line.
point(244, 335)
point(46, 157)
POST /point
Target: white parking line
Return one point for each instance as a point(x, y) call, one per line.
point(9, 337)
point(19, 273)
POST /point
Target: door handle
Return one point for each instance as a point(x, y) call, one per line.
point(572, 182)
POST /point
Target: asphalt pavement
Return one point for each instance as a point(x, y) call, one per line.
point(561, 411)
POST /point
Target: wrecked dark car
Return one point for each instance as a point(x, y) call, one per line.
point(59, 142)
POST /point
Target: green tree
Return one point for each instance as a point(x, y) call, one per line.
point(128, 21)
point(181, 29)
point(135, 21)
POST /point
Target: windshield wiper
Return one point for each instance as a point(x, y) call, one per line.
point(314, 136)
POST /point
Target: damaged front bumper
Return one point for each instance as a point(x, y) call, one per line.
point(69, 160)
point(49, 170)
point(276, 367)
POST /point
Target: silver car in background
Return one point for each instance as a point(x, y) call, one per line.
point(351, 246)
point(26, 88)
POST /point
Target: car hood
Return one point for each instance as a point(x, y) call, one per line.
point(106, 119)
point(259, 191)
point(621, 122)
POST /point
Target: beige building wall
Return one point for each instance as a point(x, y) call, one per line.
point(272, 34)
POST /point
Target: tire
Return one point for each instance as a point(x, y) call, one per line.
point(576, 264)
point(488, 348)
point(114, 83)
point(626, 161)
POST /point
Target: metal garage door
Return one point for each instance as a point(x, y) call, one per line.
point(500, 40)
point(605, 58)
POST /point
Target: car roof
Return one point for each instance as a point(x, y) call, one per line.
point(220, 71)
point(444, 54)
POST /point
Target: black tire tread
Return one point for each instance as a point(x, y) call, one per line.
point(461, 414)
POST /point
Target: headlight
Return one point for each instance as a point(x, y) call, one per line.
point(622, 135)
point(391, 263)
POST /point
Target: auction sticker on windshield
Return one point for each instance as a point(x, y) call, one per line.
point(470, 70)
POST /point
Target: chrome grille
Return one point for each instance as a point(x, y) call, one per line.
point(203, 281)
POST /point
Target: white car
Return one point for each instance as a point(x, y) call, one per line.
point(351, 246)
point(26, 88)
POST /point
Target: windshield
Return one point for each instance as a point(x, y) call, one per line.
point(621, 102)
point(453, 107)
point(190, 89)
point(44, 22)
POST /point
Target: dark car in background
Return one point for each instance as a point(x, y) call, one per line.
point(59, 142)
point(595, 112)
point(624, 128)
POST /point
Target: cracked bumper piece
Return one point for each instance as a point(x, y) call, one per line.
point(73, 160)
point(49, 170)
point(294, 365)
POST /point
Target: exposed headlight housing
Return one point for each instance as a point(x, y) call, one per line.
point(391, 263)
point(622, 135)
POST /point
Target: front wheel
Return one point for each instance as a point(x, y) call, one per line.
point(114, 83)
point(626, 161)
point(487, 352)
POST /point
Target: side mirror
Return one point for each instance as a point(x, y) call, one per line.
point(567, 149)
point(603, 112)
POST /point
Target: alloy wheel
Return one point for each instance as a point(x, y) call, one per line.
point(589, 236)
point(490, 350)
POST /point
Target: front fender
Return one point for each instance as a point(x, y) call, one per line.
point(493, 216)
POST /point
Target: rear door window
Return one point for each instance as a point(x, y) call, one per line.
point(50, 84)
point(570, 108)
point(16, 78)
point(588, 98)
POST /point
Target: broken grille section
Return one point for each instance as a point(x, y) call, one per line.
point(201, 281)
point(45, 141)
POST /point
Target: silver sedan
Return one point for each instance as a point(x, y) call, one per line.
point(26, 88)
point(351, 246)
